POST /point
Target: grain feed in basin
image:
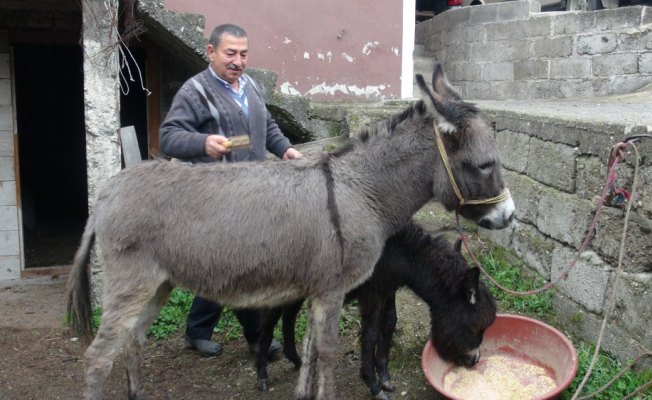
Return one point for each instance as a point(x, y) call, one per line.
point(500, 377)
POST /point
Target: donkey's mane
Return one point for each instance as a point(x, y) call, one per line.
point(382, 128)
point(437, 251)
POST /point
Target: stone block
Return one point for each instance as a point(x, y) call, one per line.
point(9, 267)
point(9, 244)
point(464, 72)
point(645, 63)
point(6, 142)
point(591, 173)
point(534, 248)
point(473, 33)
point(507, 50)
point(7, 172)
point(513, 10)
point(572, 23)
point(599, 43)
point(563, 217)
point(570, 68)
point(9, 218)
point(552, 47)
point(7, 193)
point(525, 193)
point(498, 72)
point(637, 251)
point(513, 148)
point(586, 325)
point(531, 69)
point(615, 64)
point(500, 237)
point(620, 18)
point(552, 164)
point(618, 84)
point(484, 14)
point(588, 277)
point(635, 41)
point(633, 306)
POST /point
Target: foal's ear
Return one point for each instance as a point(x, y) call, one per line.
point(471, 284)
point(436, 104)
point(458, 245)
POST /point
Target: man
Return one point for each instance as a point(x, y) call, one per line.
point(214, 105)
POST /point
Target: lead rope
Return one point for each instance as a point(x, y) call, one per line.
point(616, 156)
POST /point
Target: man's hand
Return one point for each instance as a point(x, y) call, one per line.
point(292, 154)
point(213, 146)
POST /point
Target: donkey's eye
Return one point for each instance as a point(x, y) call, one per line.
point(487, 167)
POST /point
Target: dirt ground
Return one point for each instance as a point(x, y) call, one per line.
point(40, 360)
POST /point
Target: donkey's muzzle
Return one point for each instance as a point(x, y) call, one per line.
point(500, 216)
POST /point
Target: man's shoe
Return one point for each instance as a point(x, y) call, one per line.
point(205, 348)
point(274, 352)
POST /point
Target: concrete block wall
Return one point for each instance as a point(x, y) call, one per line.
point(555, 167)
point(9, 226)
point(510, 50)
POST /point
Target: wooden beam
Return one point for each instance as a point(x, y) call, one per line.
point(129, 141)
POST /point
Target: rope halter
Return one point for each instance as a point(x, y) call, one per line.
point(504, 195)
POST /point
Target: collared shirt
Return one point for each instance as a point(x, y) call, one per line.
point(240, 97)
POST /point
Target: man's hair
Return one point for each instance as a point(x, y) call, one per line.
point(220, 30)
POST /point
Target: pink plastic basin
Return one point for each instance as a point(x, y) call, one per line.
point(514, 335)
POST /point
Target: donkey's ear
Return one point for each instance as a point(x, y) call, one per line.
point(441, 85)
point(471, 284)
point(437, 105)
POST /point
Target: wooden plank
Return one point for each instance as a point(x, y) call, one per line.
point(129, 141)
point(45, 271)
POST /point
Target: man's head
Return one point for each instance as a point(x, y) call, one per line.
point(227, 51)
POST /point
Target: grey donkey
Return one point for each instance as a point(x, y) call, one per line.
point(253, 235)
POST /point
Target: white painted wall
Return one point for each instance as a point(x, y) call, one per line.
point(10, 243)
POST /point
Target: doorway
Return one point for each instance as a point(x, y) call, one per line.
point(51, 151)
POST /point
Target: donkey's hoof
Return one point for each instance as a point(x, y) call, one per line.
point(388, 385)
point(262, 385)
point(382, 396)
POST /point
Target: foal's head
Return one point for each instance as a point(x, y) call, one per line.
point(461, 306)
point(470, 147)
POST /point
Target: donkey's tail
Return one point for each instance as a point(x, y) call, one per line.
point(80, 313)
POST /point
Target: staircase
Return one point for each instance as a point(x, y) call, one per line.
point(422, 65)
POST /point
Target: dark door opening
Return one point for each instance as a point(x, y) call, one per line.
point(52, 151)
point(133, 98)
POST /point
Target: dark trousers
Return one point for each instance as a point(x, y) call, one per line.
point(204, 314)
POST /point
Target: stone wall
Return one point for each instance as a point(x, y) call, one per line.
point(510, 50)
point(555, 166)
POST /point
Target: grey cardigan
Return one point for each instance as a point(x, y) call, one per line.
point(189, 121)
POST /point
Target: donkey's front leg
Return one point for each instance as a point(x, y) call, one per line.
point(326, 320)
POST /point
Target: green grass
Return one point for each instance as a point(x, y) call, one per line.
point(510, 275)
point(508, 271)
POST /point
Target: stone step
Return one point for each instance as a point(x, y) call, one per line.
point(423, 66)
point(419, 50)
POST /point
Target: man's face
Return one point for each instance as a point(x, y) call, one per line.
point(229, 59)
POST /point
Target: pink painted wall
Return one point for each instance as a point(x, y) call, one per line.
point(324, 50)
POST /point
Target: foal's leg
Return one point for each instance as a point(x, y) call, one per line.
point(269, 318)
point(387, 328)
point(136, 340)
point(370, 313)
point(290, 313)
